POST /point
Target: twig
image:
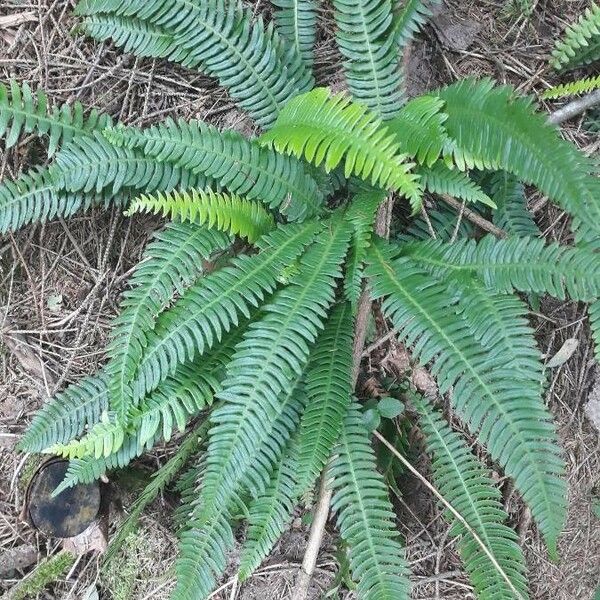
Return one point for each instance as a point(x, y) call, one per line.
point(474, 217)
point(572, 109)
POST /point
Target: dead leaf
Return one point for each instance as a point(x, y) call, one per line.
point(564, 354)
point(90, 540)
point(16, 19)
point(592, 408)
point(454, 34)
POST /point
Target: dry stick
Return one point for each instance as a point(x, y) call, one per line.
point(575, 108)
point(309, 562)
point(454, 512)
point(474, 217)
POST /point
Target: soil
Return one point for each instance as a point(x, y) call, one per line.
point(60, 284)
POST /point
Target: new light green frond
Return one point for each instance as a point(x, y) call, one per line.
point(222, 40)
point(572, 88)
point(216, 303)
point(371, 64)
point(467, 486)
point(511, 214)
point(22, 111)
point(495, 129)
point(237, 164)
point(419, 129)
point(328, 129)
point(521, 264)
point(329, 386)
point(225, 212)
point(171, 262)
point(517, 433)
point(296, 21)
point(274, 352)
point(580, 44)
point(365, 516)
point(410, 19)
point(439, 179)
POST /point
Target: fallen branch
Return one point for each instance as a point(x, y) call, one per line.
point(575, 108)
point(472, 216)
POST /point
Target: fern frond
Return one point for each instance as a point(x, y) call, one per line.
point(255, 377)
point(371, 63)
point(464, 483)
point(514, 264)
point(495, 129)
point(171, 262)
point(225, 212)
point(326, 129)
point(594, 316)
point(572, 88)
point(410, 19)
point(329, 386)
point(214, 304)
point(296, 21)
point(223, 40)
point(518, 434)
point(439, 179)
point(22, 111)
point(365, 516)
point(237, 164)
point(580, 44)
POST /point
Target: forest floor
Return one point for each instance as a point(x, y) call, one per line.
point(60, 285)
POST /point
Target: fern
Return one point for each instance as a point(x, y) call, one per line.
point(365, 517)
point(573, 88)
point(443, 221)
point(371, 60)
point(409, 20)
point(296, 20)
point(224, 212)
point(594, 314)
point(486, 396)
point(464, 483)
point(580, 44)
point(237, 164)
point(328, 129)
point(23, 112)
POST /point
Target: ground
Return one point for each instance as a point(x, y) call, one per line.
point(60, 284)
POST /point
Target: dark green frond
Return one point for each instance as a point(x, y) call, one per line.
point(329, 386)
point(225, 212)
point(517, 432)
point(365, 516)
point(296, 21)
point(410, 19)
point(328, 129)
point(22, 111)
point(371, 63)
point(216, 302)
point(464, 483)
point(237, 164)
point(594, 314)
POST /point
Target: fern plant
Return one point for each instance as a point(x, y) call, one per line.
point(239, 322)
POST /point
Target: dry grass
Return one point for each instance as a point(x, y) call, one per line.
point(60, 285)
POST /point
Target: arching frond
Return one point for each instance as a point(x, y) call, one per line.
point(225, 212)
point(328, 129)
point(22, 111)
point(573, 88)
point(371, 62)
point(365, 516)
point(464, 483)
point(237, 164)
point(410, 19)
point(296, 21)
point(518, 433)
point(329, 386)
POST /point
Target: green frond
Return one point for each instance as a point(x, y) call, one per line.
point(22, 111)
point(225, 41)
point(326, 129)
point(67, 415)
point(594, 315)
point(495, 129)
point(225, 212)
point(214, 305)
point(573, 88)
point(580, 44)
point(467, 486)
point(329, 386)
point(365, 516)
point(171, 263)
point(296, 21)
point(419, 129)
point(274, 352)
point(410, 19)
point(517, 431)
point(237, 164)
point(371, 64)
point(443, 221)
point(514, 264)
point(361, 214)
point(92, 164)
point(439, 179)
